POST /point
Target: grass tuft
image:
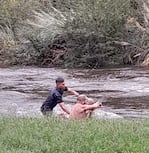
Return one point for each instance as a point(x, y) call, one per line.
point(28, 135)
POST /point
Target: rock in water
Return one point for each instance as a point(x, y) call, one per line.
point(100, 114)
point(97, 113)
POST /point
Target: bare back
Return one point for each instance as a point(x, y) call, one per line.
point(78, 112)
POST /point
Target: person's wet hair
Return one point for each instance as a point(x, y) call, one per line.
point(90, 101)
point(59, 80)
point(81, 97)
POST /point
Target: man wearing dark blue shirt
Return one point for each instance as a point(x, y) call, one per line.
point(55, 97)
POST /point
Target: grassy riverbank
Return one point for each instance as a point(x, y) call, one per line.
point(20, 135)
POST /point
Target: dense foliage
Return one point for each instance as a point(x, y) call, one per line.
point(80, 33)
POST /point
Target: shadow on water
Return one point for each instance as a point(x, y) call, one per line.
point(124, 91)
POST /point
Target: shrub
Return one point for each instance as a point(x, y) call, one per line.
point(78, 33)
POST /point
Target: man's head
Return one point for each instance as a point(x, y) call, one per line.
point(82, 99)
point(90, 101)
point(60, 83)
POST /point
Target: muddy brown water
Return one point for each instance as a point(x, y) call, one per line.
point(124, 91)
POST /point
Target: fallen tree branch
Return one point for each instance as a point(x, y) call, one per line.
point(57, 54)
point(123, 43)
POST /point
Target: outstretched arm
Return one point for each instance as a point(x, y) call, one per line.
point(73, 92)
point(92, 107)
point(63, 107)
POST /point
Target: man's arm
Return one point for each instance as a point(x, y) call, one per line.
point(63, 107)
point(92, 107)
point(72, 92)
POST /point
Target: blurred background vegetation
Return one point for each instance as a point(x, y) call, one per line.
point(74, 33)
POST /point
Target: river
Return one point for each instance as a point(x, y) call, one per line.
point(123, 91)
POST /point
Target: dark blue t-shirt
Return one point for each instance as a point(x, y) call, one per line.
point(53, 99)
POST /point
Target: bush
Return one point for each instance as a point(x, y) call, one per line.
point(86, 30)
point(78, 33)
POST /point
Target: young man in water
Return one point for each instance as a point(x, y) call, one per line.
point(55, 97)
point(81, 109)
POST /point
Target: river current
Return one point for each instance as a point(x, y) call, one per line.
point(123, 91)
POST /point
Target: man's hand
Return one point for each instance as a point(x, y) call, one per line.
point(62, 105)
point(99, 104)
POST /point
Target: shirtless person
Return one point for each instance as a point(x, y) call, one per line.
point(79, 110)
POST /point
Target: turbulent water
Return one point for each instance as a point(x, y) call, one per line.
point(123, 91)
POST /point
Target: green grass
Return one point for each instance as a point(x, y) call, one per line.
point(24, 135)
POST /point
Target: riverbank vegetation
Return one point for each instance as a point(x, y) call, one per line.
point(28, 135)
point(68, 33)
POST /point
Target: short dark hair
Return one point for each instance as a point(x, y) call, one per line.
point(59, 80)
